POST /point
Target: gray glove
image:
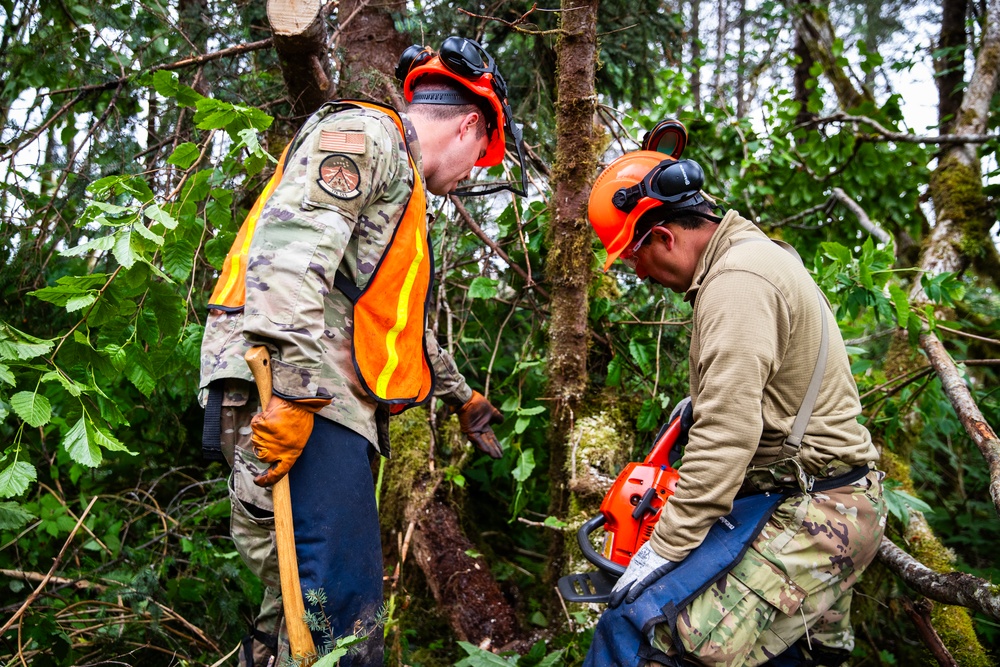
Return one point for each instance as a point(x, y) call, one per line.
point(644, 569)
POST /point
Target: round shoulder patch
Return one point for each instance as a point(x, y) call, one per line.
point(339, 176)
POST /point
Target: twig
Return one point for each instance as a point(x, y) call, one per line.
point(920, 614)
point(478, 231)
point(187, 62)
point(55, 564)
point(863, 219)
point(516, 23)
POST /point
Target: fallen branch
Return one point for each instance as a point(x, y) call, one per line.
point(55, 564)
point(954, 588)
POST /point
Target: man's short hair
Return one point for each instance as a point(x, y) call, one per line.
point(692, 217)
point(487, 120)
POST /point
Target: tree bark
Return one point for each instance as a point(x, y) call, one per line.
point(569, 258)
point(371, 46)
point(801, 76)
point(300, 40)
point(950, 67)
point(695, 36)
point(956, 588)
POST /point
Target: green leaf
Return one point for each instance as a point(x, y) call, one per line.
point(78, 444)
point(901, 303)
point(5, 375)
point(140, 377)
point(13, 516)
point(528, 412)
point(18, 346)
point(483, 288)
point(100, 244)
point(642, 353)
point(553, 522)
point(157, 214)
point(614, 372)
point(480, 658)
point(15, 478)
point(145, 232)
point(76, 303)
point(837, 252)
point(166, 83)
point(69, 385)
point(184, 155)
point(525, 466)
point(32, 407)
point(123, 250)
point(105, 440)
point(649, 415)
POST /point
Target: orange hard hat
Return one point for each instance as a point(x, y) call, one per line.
point(481, 87)
point(614, 226)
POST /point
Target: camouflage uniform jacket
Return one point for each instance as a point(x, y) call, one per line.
point(754, 344)
point(309, 229)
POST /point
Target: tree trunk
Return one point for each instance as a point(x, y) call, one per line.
point(812, 24)
point(300, 40)
point(696, 52)
point(950, 67)
point(372, 46)
point(569, 258)
point(801, 76)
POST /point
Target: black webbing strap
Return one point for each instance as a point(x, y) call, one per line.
point(211, 433)
point(347, 286)
point(826, 483)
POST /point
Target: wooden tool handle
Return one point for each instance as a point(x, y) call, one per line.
point(299, 638)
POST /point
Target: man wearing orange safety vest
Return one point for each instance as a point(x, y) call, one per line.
point(332, 272)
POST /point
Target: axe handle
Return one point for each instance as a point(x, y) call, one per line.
point(299, 638)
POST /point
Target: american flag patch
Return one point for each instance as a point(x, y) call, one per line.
point(342, 142)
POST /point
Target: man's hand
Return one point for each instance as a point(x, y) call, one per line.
point(645, 568)
point(280, 433)
point(475, 417)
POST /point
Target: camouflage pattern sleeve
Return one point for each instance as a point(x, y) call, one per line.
point(343, 163)
point(449, 385)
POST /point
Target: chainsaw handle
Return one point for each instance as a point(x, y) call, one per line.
point(590, 553)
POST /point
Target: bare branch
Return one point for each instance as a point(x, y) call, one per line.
point(863, 219)
point(956, 588)
point(904, 137)
point(967, 410)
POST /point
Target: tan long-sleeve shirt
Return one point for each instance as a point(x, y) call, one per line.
point(755, 340)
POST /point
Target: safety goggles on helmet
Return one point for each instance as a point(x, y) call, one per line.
point(467, 62)
point(668, 137)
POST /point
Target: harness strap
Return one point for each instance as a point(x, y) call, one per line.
point(793, 443)
point(211, 434)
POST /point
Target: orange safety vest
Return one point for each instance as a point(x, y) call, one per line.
point(390, 357)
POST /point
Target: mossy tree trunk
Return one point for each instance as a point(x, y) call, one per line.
point(959, 240)
point(300, 40)
point(371, 45)
point(569, 256)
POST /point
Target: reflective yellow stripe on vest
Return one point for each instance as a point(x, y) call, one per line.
point(231, 289)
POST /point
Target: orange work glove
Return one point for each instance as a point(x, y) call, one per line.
point(475, 417)
point(280, 433)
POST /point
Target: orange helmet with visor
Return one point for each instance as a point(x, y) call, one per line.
point(467, 63)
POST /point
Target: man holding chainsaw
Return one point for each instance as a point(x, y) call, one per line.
point(774, 411)
point(332, 272)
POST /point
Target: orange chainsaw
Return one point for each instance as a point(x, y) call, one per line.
point(629, 512)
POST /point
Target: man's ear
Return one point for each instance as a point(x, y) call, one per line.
point(665, 235)
point(468, 124)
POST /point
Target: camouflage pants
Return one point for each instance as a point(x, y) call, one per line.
point(252, 528)
point(793, 586)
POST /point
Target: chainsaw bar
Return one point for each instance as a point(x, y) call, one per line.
point(587, 587)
